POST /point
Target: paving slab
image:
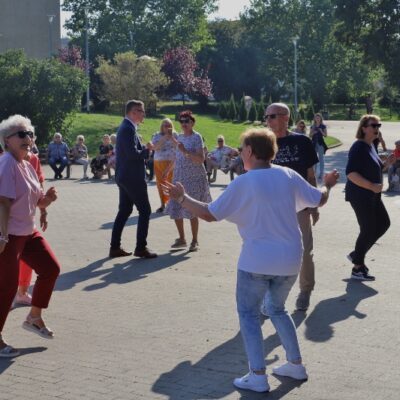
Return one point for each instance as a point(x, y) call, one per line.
point(167, 328)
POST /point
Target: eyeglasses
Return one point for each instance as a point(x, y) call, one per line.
point(23, 134)
point(271, 116)
point(184, 120)
point(140, 110)
point(220, 141)
point(375, 126)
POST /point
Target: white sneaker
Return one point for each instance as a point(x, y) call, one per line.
point(295, 371)
point(252, 381)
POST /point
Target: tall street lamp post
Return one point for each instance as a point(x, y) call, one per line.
point(87, 59)
point(296, 108)
point(51, 19)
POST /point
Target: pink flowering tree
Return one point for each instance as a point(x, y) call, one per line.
point(72, 55)
point(185, 77)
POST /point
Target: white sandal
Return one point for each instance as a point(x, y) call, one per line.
point(30, 325)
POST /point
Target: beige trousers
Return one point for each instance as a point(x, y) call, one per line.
point(307, 271)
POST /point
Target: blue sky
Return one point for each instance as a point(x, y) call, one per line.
point(228, 9)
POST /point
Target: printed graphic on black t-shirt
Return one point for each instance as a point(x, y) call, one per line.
point(297, 152)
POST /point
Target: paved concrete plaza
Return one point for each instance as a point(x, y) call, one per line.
point(167, 328)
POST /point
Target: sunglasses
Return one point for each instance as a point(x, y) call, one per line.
point(374, 126)
point(184, 120)
point(23, 134)
point(271, 116)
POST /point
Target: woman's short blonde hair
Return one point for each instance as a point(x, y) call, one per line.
point(262, 142)
point(80, 137)
point(169, 121)
point(364, 121)
point(13, 124)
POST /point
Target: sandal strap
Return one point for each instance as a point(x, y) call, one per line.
point(31, 319)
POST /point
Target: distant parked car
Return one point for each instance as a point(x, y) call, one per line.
point(179, 97)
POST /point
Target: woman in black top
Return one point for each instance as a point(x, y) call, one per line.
point(363, 191)
point(317, 133)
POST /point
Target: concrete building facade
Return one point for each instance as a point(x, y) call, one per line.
point(32, 25)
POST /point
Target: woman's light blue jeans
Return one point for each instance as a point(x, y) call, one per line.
point(251, 290)
point(321, 155)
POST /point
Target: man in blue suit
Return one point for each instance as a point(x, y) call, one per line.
point(130, 178)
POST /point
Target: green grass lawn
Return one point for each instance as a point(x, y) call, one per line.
point(94, 126)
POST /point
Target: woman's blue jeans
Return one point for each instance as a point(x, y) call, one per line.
point(251, 290)
point(321, 155)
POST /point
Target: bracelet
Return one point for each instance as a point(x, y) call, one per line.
point(4, 239)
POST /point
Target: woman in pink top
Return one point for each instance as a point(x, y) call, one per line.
point(20, 195)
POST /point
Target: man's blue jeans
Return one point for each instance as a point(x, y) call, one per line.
point(63, 161)
point(250, 293)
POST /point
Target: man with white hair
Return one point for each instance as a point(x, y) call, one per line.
point(297, 152)
point(220, 157)
point(57, 153)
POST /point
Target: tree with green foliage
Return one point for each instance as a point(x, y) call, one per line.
point(310, 111)
point(232, 112)
point(232, 62)
point(222, 110)
point(373, 26)
point(301, 113)
point(253, 112)
point(242, 110)
point(260, 110)
point(145, 27)
point(128, 76)
point(46, 91)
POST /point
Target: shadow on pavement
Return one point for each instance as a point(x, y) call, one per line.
point(319, 325)
point(120, 273)
point(5, 363)
point(212, 376)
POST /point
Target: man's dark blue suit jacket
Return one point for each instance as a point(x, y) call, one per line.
point(130, 165)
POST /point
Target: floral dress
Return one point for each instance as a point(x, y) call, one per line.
point(191, 175)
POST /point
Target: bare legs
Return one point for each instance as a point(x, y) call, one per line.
point(194, 224)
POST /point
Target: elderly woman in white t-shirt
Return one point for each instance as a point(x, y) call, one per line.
point(263, 204)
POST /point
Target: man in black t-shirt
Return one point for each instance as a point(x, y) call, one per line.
point(297, 152)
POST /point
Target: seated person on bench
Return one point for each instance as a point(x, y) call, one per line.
point(57, 153)
point(394, 170)
point(219, 158)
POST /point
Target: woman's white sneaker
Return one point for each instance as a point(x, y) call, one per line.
point(252, 381)
point(295, 371)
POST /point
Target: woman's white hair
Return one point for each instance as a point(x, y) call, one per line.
point(14, 124)
point(80, 137)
